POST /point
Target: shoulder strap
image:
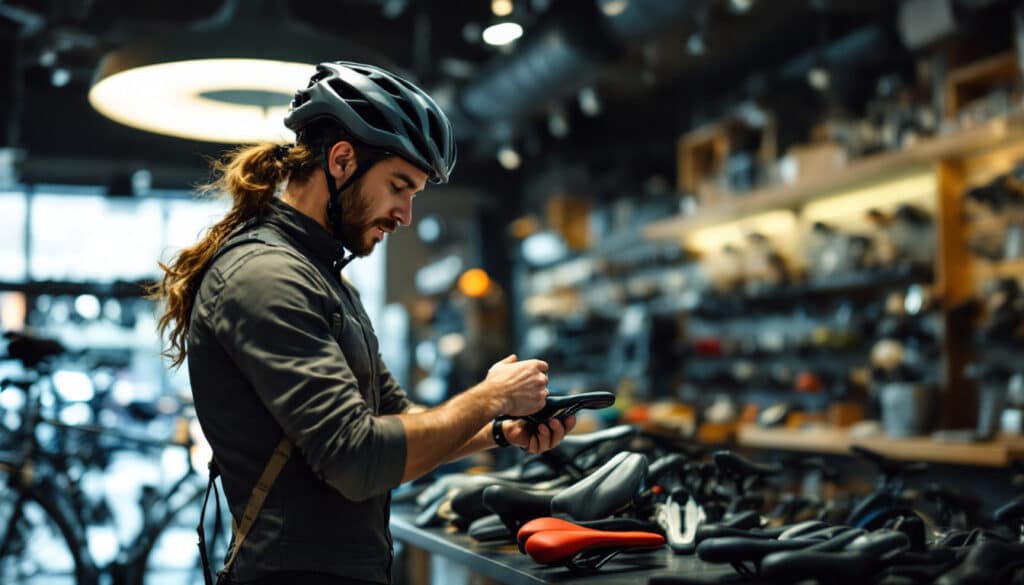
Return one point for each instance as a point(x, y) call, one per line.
point(282, 452)
point(259, 494)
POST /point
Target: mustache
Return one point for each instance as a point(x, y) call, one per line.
point(388, 224)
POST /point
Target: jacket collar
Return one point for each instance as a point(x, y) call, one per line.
point(305, 231)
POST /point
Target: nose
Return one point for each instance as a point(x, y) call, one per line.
point(403, 213)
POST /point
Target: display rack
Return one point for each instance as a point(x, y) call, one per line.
point(998, 452)
point(959, 145)
point(958, 160)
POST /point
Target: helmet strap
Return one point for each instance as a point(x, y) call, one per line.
point(335, 204)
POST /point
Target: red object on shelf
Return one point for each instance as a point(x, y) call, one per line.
point(809, 382)
point(557, 546)
point(709, 346)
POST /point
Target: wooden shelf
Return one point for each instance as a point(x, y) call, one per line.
point(996, 453)
point(959, 145)
point(985, 270)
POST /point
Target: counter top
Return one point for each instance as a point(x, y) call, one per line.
point(504, 563)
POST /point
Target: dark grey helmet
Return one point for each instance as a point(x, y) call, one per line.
point(380, 109)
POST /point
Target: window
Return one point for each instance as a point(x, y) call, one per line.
point(12, 236)
point(93, 238)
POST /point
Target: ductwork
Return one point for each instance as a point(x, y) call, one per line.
point(562, 56)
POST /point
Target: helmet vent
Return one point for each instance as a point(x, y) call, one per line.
point(318, 77)
point(407, 108)
point(416, 137)
point(435, 125)
point(370, 115)
point(344, 90)
point(388, 86)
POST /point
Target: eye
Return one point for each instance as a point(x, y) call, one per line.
point(396, 189)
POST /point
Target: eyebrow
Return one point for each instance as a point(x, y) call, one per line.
point(409, 183)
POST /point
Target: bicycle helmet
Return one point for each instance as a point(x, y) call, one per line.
point(381, 110)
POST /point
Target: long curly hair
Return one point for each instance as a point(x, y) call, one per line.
point(251, 176)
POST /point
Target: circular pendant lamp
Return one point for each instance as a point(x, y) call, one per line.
point(227, 80)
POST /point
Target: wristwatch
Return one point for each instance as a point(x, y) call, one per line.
point(499, 433)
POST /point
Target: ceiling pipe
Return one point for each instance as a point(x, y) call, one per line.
point(559, 58)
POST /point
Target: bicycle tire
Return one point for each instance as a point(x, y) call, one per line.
point(141, 567)
point(51, 510)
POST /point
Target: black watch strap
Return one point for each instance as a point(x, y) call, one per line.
point(499, 433)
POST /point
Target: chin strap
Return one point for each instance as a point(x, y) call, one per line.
point(335, 205)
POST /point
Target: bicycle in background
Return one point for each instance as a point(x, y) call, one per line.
point(47, 518)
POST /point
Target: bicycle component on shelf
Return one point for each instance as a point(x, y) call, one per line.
point(887, 503)
point(552, 541)
point(614, 486)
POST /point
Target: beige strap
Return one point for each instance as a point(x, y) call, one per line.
point(259, 495)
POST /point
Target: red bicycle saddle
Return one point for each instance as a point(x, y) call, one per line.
point(604, 525)
point(555, 541)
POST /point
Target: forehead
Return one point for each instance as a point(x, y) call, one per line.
point(398, 165)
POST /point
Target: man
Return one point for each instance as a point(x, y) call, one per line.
point(280, 346)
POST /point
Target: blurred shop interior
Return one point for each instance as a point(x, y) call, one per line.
point(781, 227)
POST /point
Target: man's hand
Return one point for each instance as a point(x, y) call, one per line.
point(548, 435)
point(520, 386)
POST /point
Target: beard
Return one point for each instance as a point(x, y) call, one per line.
point(358, 229)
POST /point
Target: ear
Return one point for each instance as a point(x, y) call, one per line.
point(342, 157)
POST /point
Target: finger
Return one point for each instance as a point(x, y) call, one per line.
point(569, 423)
point(533, 445)
point(557, 431)
point(518, 434)
point(541, 365)
point(510, 358)
point(544, 437)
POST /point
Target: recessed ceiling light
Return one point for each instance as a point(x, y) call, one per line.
point(502, 33)
point(509, 158)
point(501, 7)
point(614, 7)
point(215, 100)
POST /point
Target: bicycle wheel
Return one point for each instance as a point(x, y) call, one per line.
point(166, 552)
point(38, 543)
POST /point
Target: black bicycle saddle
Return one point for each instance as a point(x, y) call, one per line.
point(740, 549)
point(516, 504)
point(469, 503)
point(859, 559)
point(737, 466)
point(889, 467)
point(573, 445)
point(1010, 513)
point(987, 562)
point(610, 488)
point(613, 486)
point(562, 407)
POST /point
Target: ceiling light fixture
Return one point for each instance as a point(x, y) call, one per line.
point(220, 81)
point(501, 8)
point(509, 158)
point(741, 6)
point(590, 103)
point(614, 7)
point(502, 33)
point(558, 123)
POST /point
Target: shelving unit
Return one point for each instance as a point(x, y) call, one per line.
point(998, 452)
point(957, 160)
point(963, 144)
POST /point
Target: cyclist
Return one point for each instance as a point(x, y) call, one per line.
point(279, 344)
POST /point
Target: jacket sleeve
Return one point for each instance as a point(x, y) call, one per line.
point(271, 322)
point(392, 398)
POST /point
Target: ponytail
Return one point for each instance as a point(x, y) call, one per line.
point(251, 176)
